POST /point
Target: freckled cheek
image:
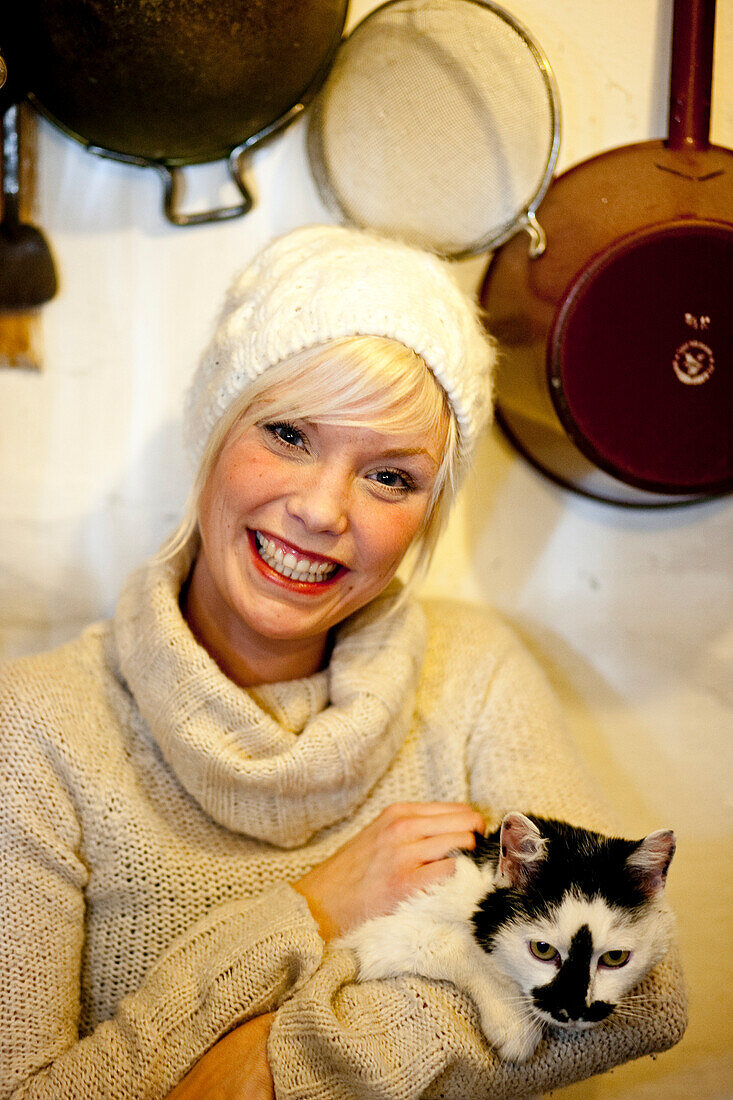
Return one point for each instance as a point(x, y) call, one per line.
point(220, 514)
point(244, 486)
point(389, 539)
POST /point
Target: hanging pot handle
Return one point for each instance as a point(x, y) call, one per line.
point(174, 188)
point(691, 79)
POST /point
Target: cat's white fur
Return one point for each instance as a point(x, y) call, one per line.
point(430, 934)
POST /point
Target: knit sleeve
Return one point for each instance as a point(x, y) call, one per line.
point(239, 961)
point(410, 1039)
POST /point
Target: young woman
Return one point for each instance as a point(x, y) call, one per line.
point(273, 738)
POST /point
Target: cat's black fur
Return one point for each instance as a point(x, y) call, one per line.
point(589, 862)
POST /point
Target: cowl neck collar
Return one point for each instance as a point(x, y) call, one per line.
point(281, 761)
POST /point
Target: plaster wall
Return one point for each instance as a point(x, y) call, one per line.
point(629, 612)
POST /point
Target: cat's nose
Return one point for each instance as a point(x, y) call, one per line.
point(596, 1012)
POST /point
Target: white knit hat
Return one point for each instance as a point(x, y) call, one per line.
point(322, 283)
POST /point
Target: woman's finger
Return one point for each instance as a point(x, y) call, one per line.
point(428, 809)
point(431, 873)
point(400, 830)
point(465, 820)
point(430, 849)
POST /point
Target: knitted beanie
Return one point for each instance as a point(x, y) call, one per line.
point(321, 283)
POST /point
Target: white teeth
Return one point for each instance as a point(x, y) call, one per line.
point(287, 565)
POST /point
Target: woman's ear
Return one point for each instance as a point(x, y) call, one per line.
point(521, 847)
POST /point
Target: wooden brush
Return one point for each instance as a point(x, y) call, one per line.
point(27, 273)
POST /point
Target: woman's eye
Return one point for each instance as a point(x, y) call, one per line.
point(393, 479)
point(544, 951)
point(286, 433)
point(615, 959)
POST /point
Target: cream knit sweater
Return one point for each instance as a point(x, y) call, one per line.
point(152, 814)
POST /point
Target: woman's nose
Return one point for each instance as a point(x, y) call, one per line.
point(320, 502)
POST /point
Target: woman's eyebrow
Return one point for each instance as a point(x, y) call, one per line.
point(394, 452)
point(409, 452)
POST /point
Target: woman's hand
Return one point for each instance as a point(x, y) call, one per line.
point(236, 1068)
point(403, 849)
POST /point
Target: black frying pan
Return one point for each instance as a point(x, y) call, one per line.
point(173, 82)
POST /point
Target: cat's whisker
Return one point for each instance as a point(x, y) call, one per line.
point(631, 1013)
point(528, 1016)
point(625, 1003)
point(626, 1024)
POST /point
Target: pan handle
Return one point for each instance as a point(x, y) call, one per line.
point(10, 128)
point(691, 78)
point(174, 188)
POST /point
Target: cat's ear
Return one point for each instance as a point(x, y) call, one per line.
point(650, 861)
point(521, 847)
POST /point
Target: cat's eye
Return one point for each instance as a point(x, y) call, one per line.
point(614, 959)
point(544, 951)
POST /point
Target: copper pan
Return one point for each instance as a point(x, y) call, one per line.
point(616, 377)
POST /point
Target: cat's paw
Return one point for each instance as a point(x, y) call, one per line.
point(520, 1042)
point(515, 1040)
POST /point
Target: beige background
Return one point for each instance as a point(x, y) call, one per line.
point(630, 613)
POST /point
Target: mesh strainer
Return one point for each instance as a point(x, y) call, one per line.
point(439, 124)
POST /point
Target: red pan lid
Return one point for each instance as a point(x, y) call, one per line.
point(640, 359)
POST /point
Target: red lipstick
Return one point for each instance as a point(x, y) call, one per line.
point(261, 549)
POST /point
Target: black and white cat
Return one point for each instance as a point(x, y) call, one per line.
point(544, 922)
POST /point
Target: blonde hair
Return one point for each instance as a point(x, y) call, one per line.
point(358, 381)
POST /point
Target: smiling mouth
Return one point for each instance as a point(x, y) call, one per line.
point(294, 567)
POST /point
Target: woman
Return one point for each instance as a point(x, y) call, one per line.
point(273, 738)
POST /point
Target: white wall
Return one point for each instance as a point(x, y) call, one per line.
point(630, 612)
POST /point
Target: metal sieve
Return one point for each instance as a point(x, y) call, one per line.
point(439, 124)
